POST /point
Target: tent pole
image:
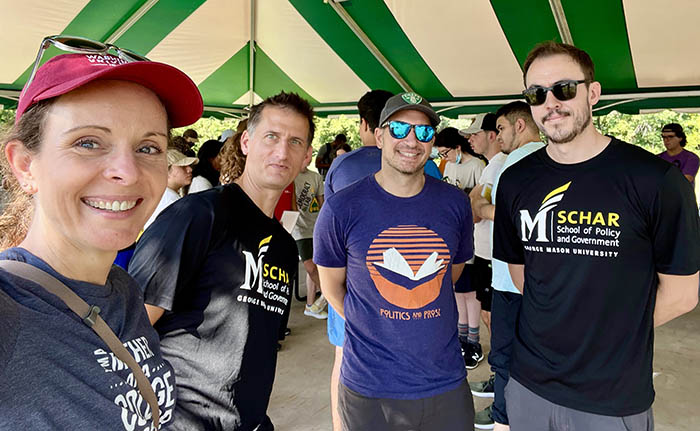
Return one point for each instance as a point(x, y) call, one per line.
point(112, 38)
point(345, 16)
point(251, 56)
point(560, 19)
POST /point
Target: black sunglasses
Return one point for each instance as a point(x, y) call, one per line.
point(81, 45)
point(399, 130)
point(562, 90)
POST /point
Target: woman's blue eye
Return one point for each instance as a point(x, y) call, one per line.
point(150, 149)
point(87, 143)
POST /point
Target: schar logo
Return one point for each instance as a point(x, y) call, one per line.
point(528, 225)
point(253, 267)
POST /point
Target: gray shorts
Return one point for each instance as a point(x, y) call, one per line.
point(528, 411)
point(449, 411)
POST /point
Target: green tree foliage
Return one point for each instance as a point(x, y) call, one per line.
point(328, 128)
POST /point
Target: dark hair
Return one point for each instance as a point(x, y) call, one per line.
point(370, 106)
point(17, 216)
point(208, 151)
point(190, 133)
point(340, 137)
point(232, 157)
point(678, 130)
point(287, 101)
point(517, 110)
point(181, 144)
point(345, 147)
point(550, 48)
point(449, 137)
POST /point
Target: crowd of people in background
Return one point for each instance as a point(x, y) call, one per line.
point(568, 251)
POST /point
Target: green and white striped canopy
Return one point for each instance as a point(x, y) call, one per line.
point(464, 56)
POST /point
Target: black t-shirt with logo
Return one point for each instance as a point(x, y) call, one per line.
point(223, 271)
point(592, 237)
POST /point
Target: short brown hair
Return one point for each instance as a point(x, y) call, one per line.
point(550, 48)
point(283, 100)
point(517, 110)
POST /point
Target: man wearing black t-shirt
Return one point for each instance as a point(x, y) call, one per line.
point(217, 272)
point(603, 240)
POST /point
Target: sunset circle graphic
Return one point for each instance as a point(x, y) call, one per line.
point(407, 264)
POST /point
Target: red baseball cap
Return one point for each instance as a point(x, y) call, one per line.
point(67, 72)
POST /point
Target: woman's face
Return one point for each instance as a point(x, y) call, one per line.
point(449, 154)
point(101, 168)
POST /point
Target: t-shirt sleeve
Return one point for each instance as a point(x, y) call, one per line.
point(466, 243)
point(691, 166)
point(171, 250)
point(506, 242)
point(675, 229)
point(329, 240)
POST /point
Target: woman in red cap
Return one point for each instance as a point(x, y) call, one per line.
point(86, 162)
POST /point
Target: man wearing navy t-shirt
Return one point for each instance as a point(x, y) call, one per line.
point(603, 239)
point(397, 239)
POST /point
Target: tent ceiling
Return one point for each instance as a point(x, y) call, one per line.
point(464, 56)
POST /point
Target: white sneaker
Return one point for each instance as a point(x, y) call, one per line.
point(315, 312)
point(321, 302)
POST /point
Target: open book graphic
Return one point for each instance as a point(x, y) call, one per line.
point(395, 262)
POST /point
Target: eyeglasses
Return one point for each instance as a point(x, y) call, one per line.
point(399, 130)
point(445, 153)
point(562, 90)
point(81, 45)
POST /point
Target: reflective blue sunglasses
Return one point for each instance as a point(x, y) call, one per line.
point(399, 130)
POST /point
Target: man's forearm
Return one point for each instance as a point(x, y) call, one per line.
point(333, 287)
point(676, 295)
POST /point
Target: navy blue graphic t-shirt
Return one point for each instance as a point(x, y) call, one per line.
point(592, 237)
point(401, 316)
point(56, 373)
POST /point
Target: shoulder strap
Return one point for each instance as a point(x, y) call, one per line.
point(91, 317)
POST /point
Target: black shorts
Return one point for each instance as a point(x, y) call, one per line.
point(464, 282)
point(306, 248)
point(481, 279)
point(451, 410)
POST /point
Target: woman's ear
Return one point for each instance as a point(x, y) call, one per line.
point(20, 160)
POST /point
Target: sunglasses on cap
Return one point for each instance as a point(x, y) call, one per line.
point(81, 45)
point(399, 130)
point(562, 90)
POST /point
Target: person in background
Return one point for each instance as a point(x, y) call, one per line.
point(675, 141)
point(308, 186)
point(182, 146)
point(231, 156)
point(86, 165)
point(463, 170)
point(344, 149)
point(327, 153)
point(205, 174)
point(191, 137)
point(179, 176)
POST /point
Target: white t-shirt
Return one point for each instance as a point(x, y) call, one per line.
point(199, 184)
point(168, 198)
point(482, 230)
point(464, 175)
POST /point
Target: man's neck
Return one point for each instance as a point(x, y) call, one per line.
point(527, 138)
point(584, 147)
point(492, 150)
point(675, 152)
point(398, 184)
point(265, 199)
